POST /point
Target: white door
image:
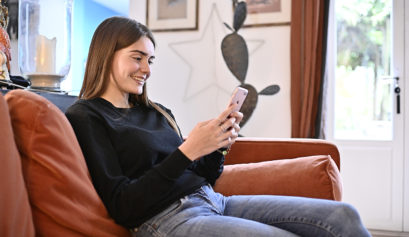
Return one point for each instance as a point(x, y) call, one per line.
point(366, 115)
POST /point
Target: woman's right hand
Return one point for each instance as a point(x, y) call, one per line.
point(210, 135)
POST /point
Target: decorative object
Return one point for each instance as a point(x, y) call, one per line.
point(12, 28)
point(236, 56)
point(268, 13)
point(5, 55)
point(213, 75)
point(172, 15)
point(45, 42)
point(204, 77)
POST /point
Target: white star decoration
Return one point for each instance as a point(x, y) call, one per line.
point(204, 58)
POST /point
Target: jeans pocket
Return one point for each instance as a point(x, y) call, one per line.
point(209, 197)
point(204, 192)
point(156, 221)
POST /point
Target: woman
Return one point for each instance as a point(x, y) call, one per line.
point(153, 182)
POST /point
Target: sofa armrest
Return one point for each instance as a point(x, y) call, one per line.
point(250, 150)
point(313, 176)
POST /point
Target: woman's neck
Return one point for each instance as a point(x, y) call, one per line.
point(119, 101)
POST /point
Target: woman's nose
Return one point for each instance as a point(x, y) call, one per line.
point(145, 67)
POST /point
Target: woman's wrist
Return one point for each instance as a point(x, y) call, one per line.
point(188, 152)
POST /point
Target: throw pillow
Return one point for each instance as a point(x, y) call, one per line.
point(63, 199)
point(312, 176)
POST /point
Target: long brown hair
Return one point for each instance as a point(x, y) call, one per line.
point(111, 35)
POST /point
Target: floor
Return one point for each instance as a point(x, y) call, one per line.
point(379, 233)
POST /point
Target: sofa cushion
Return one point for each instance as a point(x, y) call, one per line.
point(312, 176)
point(14, 205)
point(63, 199)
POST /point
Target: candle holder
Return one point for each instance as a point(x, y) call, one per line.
point(44, 42)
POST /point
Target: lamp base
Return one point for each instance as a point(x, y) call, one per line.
point(49, 82)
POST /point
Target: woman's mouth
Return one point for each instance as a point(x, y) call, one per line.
point(140, 80)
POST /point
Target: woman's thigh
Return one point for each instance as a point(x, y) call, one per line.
point(201, 214)
point(216, 226)
point(302, 216)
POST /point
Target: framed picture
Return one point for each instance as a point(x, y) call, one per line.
point(268, 13)
point(172, 15)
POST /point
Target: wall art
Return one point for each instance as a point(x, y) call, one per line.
point(172, 15)
point(267, 13)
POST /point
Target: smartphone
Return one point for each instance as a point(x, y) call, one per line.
point(238, 97)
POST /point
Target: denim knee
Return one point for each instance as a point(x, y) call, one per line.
point(351, 220)
point(345, 211)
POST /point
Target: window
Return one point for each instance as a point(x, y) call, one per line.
point(363, 91)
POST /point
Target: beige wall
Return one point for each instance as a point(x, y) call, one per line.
point(191, 77)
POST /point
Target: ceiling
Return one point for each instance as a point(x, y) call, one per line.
point(121, 6)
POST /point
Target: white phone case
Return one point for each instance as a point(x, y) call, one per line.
point(238, 97)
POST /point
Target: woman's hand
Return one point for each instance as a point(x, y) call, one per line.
point(236, 126)
point(213, 134)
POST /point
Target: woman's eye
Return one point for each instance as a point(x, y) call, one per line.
point(137, 58)
point(150, 62)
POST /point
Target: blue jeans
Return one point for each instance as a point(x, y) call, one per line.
point(207, 213)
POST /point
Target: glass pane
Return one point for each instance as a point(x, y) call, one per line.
point(363, 96)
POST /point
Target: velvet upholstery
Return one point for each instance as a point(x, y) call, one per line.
point(248, 149)
point(312, 176)
point(16, 218)
point(62, 197)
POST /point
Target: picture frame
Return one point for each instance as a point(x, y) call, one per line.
point(268, 13)
point(172, 15)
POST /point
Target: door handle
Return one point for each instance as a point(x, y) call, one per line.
point(396, 90)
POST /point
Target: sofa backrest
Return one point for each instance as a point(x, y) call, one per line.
point(61, 100)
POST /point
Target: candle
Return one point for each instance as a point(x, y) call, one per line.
point(45, 54)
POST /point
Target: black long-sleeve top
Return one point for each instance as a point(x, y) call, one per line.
point(134, 161)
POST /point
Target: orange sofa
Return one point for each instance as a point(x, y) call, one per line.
point(46, 189)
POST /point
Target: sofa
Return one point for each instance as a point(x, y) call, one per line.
point(46, 189)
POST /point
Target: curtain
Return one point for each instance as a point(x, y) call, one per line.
point(309, 23)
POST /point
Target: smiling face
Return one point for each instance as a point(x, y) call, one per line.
point(131, 67)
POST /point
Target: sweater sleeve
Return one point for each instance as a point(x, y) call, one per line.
point(209, 166)
point(126, 200)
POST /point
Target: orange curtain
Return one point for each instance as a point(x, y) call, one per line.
point(308, 45)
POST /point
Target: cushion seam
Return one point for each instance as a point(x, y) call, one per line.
point(331, 183)
point(35, 125)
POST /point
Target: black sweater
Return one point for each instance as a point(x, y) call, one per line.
point(134, 161)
